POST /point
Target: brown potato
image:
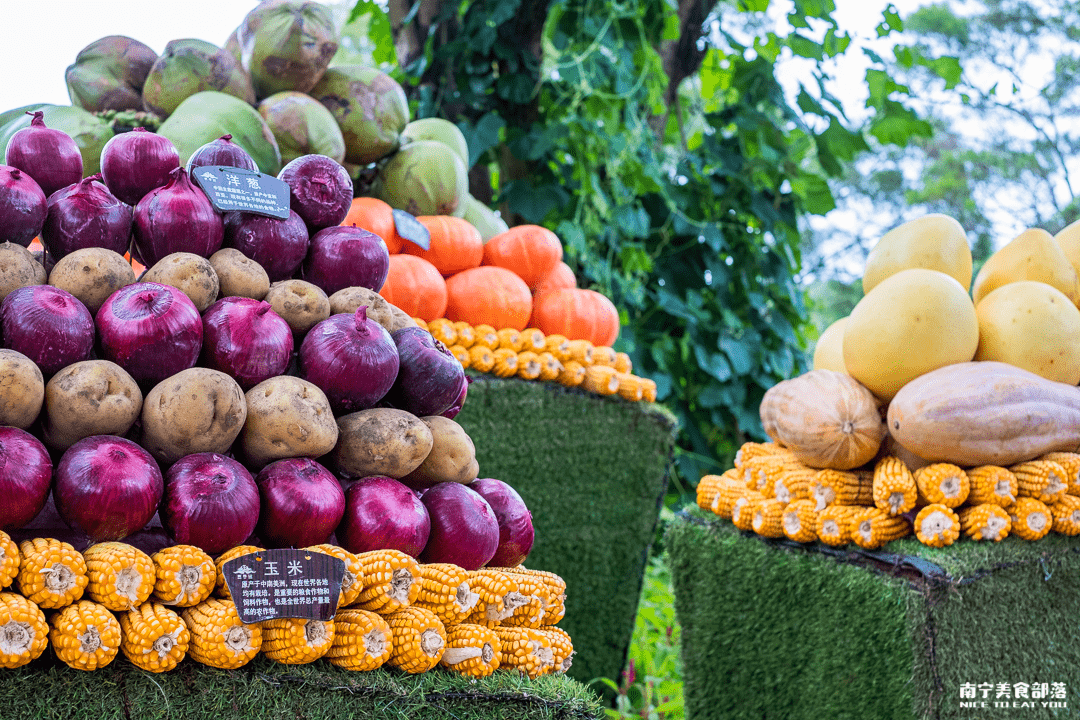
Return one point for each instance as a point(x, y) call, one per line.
point(381, 441)
point(301, 303)
point(399, 319)
point(92, 275)
point(22, 389)
point(347, 300)
point(287, 417)
point(195, 410)
point(189, 273)
point(93, 397)
point(239, 275)
point(452, 457)
point(18, 268)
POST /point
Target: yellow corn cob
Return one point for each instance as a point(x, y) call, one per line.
point(603, 355)
point(155, 638)
point(391, 581)
point(486, 336)
point(85, 635)
point(992, 484)
point(556, 586)
point(296, 641)
point(533, 339)
point(1066, 512)
point(506, 363)
point(1031, 518)
point(895, 491)
point(218, 638)
point(986, 521)
point(420, 323)
point(445, 590)
point(362, 640)
point(1043, 480)
point(708, 489)
point(561, 646)
point(622, 363)
point(471, 650)
point(481, 358)
point(221, 589)
point(581, 351)
point(530, 611)
point(419, 640)
point(185, 575)
point(121, 576)
point(461, 354)
point(873, 527)
point(510, 339)
point(1070, 463)
point(755, 449)
point(9, 560)
point(550, 367)
point(443, 330)
point(937, 525)
point(601, 380)
point(497, 596)
point(572, 373)
point(729, 488)
point(761, 473)
point(352, 583)
point(800, 520)
point(648, 390)
point(526, 650)
point(768, 518)
point(558, 346)
point(942, 483)
point(629, 387)
point(466, 335)
point(793, 483)
point(528, 366)
point(834, 523)
point(24, 634)
point(52, 574)
point(744, 507)
point(842, 487)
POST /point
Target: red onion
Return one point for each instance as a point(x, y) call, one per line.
point(455, 408)
point(515, 521)
point(246, 339)
point(320, 189)
point(48, 325)
point(302, 503)
point(278, 245)
point(25, 477)
point(464, 529)
point(222, 152)
point(49, 156)
point(211, 502)
point(86, 215)
point(346, 256)
point(22, 207)
point(107, 487)
point(136, 162)
point(151, 330)
point(176, 218)
point(383, 514)
point(429, 380)
point(350, 358)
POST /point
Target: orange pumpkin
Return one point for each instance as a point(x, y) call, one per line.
point(377, 216)
point(488, 295)
point(456, 244)
point(531, 251)
point(578, 314)
point(414, 285)
point(559, 277)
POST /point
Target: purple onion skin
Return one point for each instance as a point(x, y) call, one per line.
point(151, 330)
point(25, 477)
point(23, 206)
point(350, 358)
point(516, 532)
point(222, 152)
point(383, 514)
point(177, 217)
point(464, 529)
point(136, 162)
point(454, 409)
point(429, 379)
point(280, 246)
point(211, 501)
point(246, 339)
point(49, 156)
point(302, 503)
point(48, 325)
point(107, 487)
point(86, 215)
point(320, 190)
point(346, 256)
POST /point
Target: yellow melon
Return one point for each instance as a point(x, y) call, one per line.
point(829, 350)
point(1031, 255)
point(1069, 241)
point(934, 242)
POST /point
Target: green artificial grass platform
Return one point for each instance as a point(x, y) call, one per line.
point(772, 629)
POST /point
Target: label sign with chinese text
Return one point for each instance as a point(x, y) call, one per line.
point(284, 583)
point(231, 189)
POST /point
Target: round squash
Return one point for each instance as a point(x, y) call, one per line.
point(531, 251)
point(577, 314)
point(934, 242)
point(911, 323)
point(559, 277)
point(1033, 326)
point(1069, 242)
point(415, 286)
point(1031, 255)
point(488, 295)
point(829, 350)
point(455, 244)
point(377, 216)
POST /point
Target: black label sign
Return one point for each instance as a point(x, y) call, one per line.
point(232, 189)
point(411, 229)
point(284, 583)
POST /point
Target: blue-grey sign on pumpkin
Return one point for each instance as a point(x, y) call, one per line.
point(284, 583)
point(235, 189)
point(411, 229)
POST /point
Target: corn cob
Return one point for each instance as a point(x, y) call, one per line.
point(622, 363)
point(1031, 518)
point(1043, 480)
point(530, 612)
point(603, 355)
point(461, 354)
point(443, 330)
point(419, 640)
point(601, 380)
point(526, 650)
point(466, 335)
point(352, 582)
point(992, 484)
point(873, 527)
point(768, 518)
point(218, 638)
point(708, 490)
point(729, 488)
point(52, 574)
point(581, 351)
point(550, 367)
point(390, 581)
point(558, 346)
point(85, 635)
point(744, 507)
point(761, 473)
point(1070, 463)
point(793, 483)
point(755, 449)
point(572, 373)
point(533, 339)
point(155, 638)
point(556, 586)
point(420, 323)
point(986, 521)
point(506, 363)
point(1066, 514)
point(486, 336)
point(9, 560)
point(841, 487)
point(445, 590)
point(362, 640)
point(510, 339)
point(942, 483)
point(296, 641)
point(221, 588)
point(937, 525)
point(800, 520)
point(834, 523)
point(498, 596)
point(528, 366)
point(185, 575)
point(648, 390)
point(481, 358)
point(24, 634)
point(471, 650)
point(895, 490)
point(121, 576)
point(562, 647)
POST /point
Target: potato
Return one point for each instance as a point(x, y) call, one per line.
point(347, 300)
point(239, 275)
point(287, 417)
point(399, 319)
point(452, 457)
point(189, 273)
point(93, 397)
point(22, 389)
point(92, 275)
point(301, 303)
point(195, 410)
point(18, 268)
point(381, 441)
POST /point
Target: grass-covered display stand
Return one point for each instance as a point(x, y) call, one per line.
point(771, 629)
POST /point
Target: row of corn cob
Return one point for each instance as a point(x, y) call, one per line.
point(114, 598)
point(771, 493)
point(530, 355)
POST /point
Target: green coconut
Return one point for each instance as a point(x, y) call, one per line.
point(109, 73)
point(443, 131)
point(208, 115)
point(286, 45)
point(88, 131)
point(370, 108)
point(483, 218)
point(302, 126)
point(189, 66)
point(424, 178)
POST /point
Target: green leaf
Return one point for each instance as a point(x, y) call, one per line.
point(742, 360)
point(712, 363)
point(805, 47)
